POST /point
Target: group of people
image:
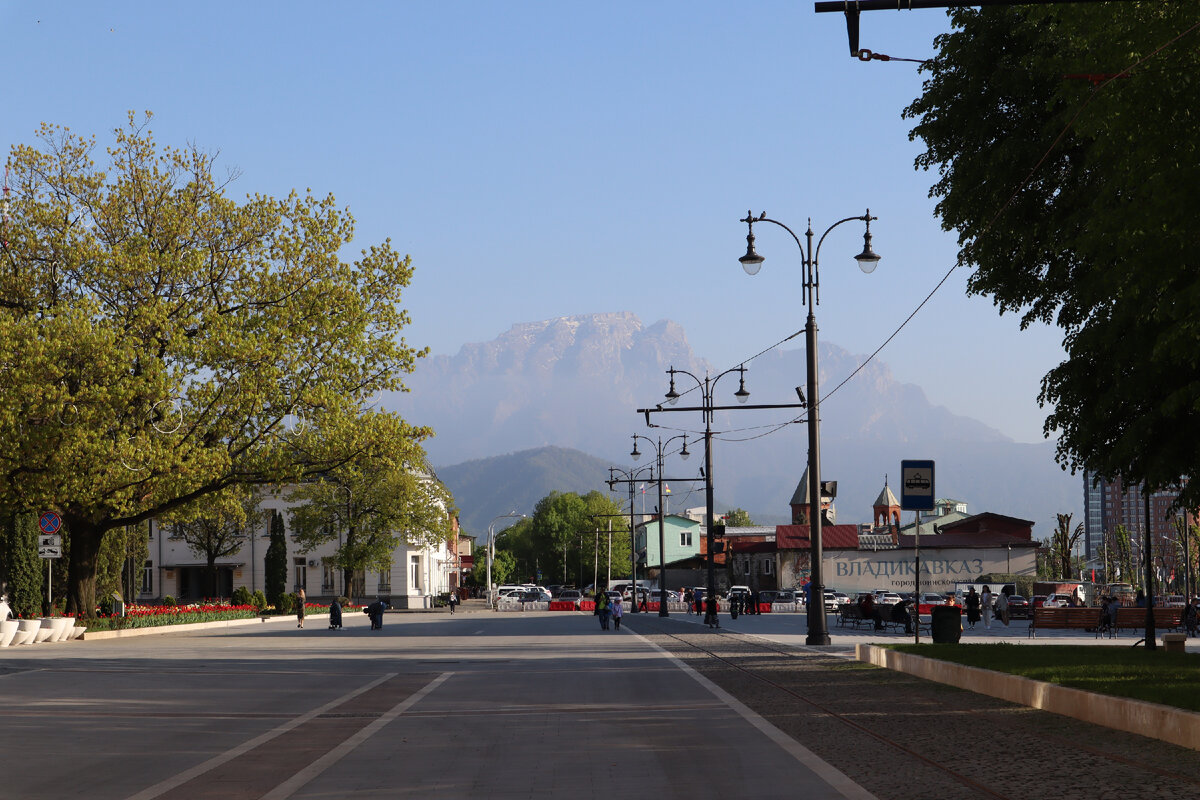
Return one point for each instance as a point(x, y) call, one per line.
point(985, 606)
point(899, 613)
point(742, 603)
point(609, 610)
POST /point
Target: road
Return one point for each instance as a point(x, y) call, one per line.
point(538, 705)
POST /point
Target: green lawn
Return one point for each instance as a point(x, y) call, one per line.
point(1172, 679)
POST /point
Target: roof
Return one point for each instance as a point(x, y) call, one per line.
point(753, 547)
point(833, 537)
point(800, 496)
point(989, 540)
point(886, 498)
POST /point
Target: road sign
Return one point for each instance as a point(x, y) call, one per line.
point(916, 485)
point(49, 552)
point(50, 522)
point(53, 540)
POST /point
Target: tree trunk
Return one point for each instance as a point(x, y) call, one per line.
point(86, 538)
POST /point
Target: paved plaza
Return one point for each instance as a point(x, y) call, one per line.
point(534, 705)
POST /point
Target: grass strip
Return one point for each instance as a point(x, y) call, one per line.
point(1172, 679)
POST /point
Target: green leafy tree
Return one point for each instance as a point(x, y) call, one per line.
point(567, 537)
point(738, 518)
point(1075, 206)
point(275, 563)
point(217, 528)
point(164, 342)
point(119, 562)
point(1122, 556)
point(21, 571)
point(384, 498)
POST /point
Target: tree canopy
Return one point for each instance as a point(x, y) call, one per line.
point(1067, 148)
point(383, 498)
point(162, 342)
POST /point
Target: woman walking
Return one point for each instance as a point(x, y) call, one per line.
point(985, 602)
point(300, 608)
point(972, 603)
point(616, 613)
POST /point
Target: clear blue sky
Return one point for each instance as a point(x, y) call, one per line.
point(541, 159)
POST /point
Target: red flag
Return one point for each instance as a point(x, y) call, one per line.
point(1093, 574)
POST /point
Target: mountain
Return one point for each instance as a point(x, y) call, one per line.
point(575, 383)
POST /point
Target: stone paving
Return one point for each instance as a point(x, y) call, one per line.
point(903, 738)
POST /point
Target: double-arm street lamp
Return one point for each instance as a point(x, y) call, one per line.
point(662, 519)
point(629, 479)
point(818, 632)
point(491, 547)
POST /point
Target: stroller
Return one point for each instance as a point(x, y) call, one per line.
point(335, 616)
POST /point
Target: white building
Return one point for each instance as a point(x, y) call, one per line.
point(415, 577)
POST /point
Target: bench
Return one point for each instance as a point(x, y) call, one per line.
point(1084, 619)
point(850, 614)
point(1165, 619)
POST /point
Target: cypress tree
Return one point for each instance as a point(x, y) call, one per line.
point(275, 562)
point(22, 569)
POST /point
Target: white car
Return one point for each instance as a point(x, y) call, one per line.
point(888, 598)
point(1056, 601)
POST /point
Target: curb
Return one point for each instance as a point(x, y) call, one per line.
point(1151, 720)
point(89, 636)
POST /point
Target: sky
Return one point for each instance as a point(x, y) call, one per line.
point(547, 159)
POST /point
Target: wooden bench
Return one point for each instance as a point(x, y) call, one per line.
point(1085, 619)
point(1165, 619)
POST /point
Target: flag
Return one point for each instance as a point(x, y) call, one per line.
point(666, 489)
point(642, 487)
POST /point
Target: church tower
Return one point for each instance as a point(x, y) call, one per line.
point(887, 508)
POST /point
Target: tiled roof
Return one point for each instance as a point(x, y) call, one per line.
point(886, 498)
point(833, 537)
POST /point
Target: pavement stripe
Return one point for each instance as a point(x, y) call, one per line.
point(836, 779)
point(304, 776)
point(163, 787)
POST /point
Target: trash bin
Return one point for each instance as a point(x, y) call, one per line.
point(945, 624)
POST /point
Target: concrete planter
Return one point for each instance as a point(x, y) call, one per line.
point(8, 631)
point(27, 630)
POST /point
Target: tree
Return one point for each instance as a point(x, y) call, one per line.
point(567, 537)
point(1074, 204)
point(164, 343)
point(385, 497)
point(275, 564)
point(738, 518)
point(218, 528)
point(1062, 543)
point(1122, 556)
point(21, 571)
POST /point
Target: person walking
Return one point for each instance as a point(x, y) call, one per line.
point(453, 600)
point(1002, 606)
point(985, 603)
point(300, 600)
point(972, 603)
point(602, 609)
point(689, 600)
point(617, 611)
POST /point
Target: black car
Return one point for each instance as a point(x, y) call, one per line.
point(1018, 607)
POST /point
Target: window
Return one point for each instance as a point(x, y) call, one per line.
point(148, 578)
point(685, 538)
point(416, 574)
point(301, 574)
point(327, 576)
point(385, 580)
point(768, 565)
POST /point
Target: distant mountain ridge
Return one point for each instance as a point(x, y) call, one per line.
point(574, 383)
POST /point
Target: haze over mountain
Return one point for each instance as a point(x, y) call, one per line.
point(576, 382)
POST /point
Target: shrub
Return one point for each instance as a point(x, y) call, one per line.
point(343, 601)
point(286, 603)
point(241, 597)
point(169, 601)
point(258, 600)
point(105, 605)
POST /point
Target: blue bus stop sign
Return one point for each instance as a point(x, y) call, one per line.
point(916, 485)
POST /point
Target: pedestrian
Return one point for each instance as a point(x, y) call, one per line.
point(972, 603)
point(300, 599)
point(985, 603)
point(602, 609)
point(375, 613)
point(689, 600)
point(617, 611)
point(335, 615)
point(699, 600)
point(453, 600)
point(1002, 605)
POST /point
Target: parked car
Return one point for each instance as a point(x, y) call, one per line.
point(1037, 601)
point(1057, 600)
point(841, 598)
point(571, 596)
point(888, 598)
point(1018, 607)
point(535, 596)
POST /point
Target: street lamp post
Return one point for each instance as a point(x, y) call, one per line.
point(629, 479)
point(818, 632)
point(707, 386)
point(491, 547)
point(662, 520)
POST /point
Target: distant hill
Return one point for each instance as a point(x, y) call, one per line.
point(559, 397)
